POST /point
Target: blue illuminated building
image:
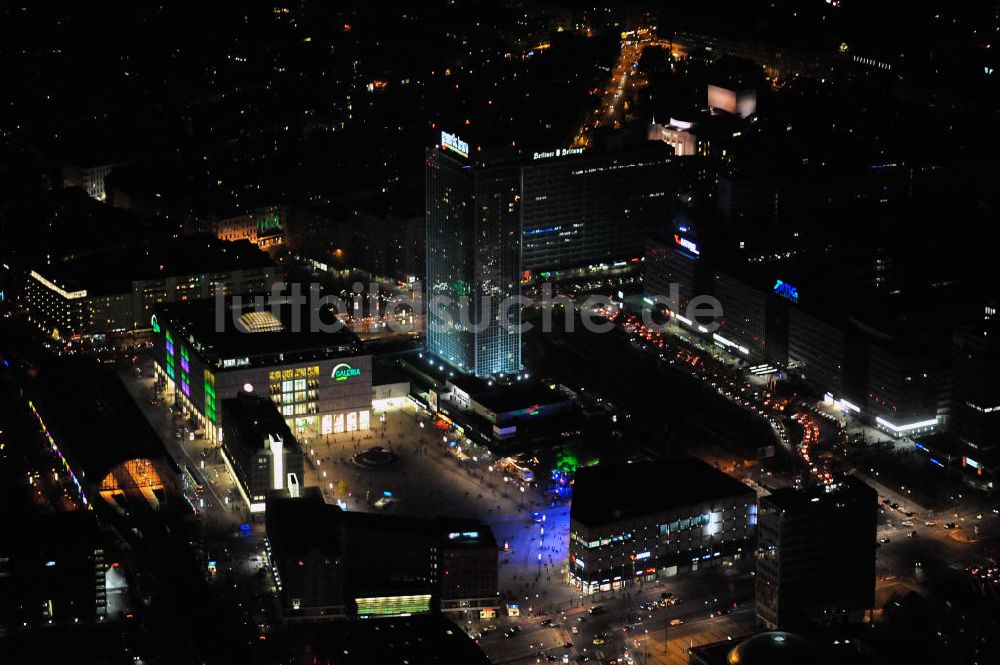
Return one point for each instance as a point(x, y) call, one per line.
point(473, 262)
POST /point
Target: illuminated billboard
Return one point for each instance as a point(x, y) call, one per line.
point(786, 290)
point(455, 144)
point(689, 245)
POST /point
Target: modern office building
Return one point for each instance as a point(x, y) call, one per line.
point(307, 557)
point(331, 564)
point(903, 382)
point(975, 400)
point(816, 349)
point(744, 315)
point(816, 555)
point(473, 260)
point(593, 210)
point(211, 350)
point(673, 266)
point(470, 578)
point(653, 519)
point(115, 291)
point(260, 449)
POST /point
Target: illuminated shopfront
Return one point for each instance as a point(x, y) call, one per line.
point(393, 605)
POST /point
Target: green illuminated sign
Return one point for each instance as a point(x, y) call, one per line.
point(155, 324)
point(343, 372)
point(270, 222)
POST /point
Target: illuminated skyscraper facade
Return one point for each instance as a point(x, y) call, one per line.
point(473, 261)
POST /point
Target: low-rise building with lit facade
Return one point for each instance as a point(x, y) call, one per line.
point(260, 449)
point(648, 520)
point(331, 564)
point(115, 291)
point(321, 382)
point(264, 227)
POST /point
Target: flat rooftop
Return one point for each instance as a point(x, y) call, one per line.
point(113, 271)
point(608, 493)
point(502, 399)
point(297, 525)
point(253, 419)
point(821, 496)
point(428, 639)
point(197, 322)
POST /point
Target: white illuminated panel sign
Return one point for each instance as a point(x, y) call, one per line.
point(462, 535)
point(558, 152)
point(455, 144)
point(687, 244)
point(278, 462)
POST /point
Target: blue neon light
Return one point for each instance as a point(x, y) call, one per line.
point(934, 461)
point(786, 290)
point(548, 229)
point(920, 446)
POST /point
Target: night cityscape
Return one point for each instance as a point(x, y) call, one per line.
point(462, 332)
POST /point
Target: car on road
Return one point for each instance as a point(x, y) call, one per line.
point(930, 523)
point(884, 541)
point(912, 534)
point(575, 630)
point(676, 622)
point(546, 623)
point(596, 609)
point(512, 631)
point(951, 525)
